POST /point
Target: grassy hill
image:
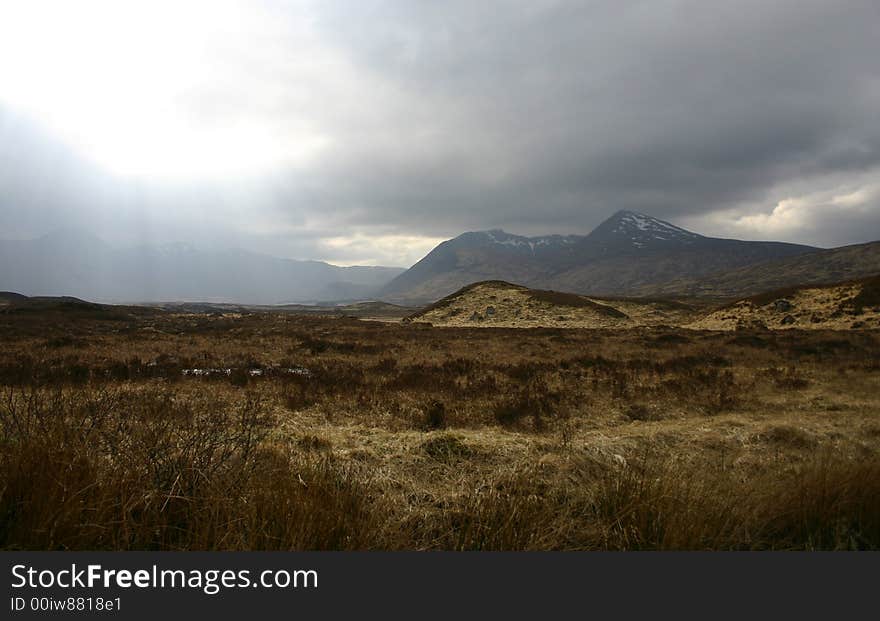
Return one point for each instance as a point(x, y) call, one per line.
point(849, 305)
point(497, 303)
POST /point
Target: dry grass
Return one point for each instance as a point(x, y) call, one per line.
point(496, 303)
point(841, 306)
point(408, 437)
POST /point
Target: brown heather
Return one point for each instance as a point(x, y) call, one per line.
point(403, 436)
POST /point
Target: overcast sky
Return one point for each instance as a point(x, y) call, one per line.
point(367, 131)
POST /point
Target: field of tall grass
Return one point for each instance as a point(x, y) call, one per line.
point(335, 434)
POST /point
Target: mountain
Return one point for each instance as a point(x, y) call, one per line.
point(80, 264)
point(816, 268)
point(486, 255)
point(627, 252)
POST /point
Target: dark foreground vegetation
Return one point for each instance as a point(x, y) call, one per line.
point(161, 431)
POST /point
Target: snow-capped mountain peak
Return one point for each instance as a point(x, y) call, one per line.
point(629, 220)
point(640, 231)
point(625, 253)
point(532, 244)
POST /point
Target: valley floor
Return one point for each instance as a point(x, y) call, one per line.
point(270, 431)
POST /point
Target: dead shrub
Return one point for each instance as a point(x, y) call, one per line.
point(536, 402)
point(129, 470)
point(311, 442)
point(640, 412)
point(446, 448)
point(788, 436)
point(435, 415)
point(299, 395)
point(785, 378)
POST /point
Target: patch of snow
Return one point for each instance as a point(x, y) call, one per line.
point(531, 243)
point(206, 372)
point(652, 225)
point(297, 371)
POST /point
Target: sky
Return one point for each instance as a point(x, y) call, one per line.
point(365, 132)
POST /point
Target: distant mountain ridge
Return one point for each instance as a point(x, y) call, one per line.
point(626, 252)
point(629, 254)
point(80, 264)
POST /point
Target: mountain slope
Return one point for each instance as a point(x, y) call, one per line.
point(626, 252)
point(486, 255)
point(76, 263)
point(822, 267)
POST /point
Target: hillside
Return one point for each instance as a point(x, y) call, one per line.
point(16, 305)
point(502, 304)
point(823, 267)
point(850, 305)
point(498, 304)
point(9, 297)
point(627, 252)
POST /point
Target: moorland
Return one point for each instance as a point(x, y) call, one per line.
point(137, 428)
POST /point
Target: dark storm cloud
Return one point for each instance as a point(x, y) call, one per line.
point(572, 110)
point(752, 119)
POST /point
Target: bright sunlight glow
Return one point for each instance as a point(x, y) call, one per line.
point(153, 88)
